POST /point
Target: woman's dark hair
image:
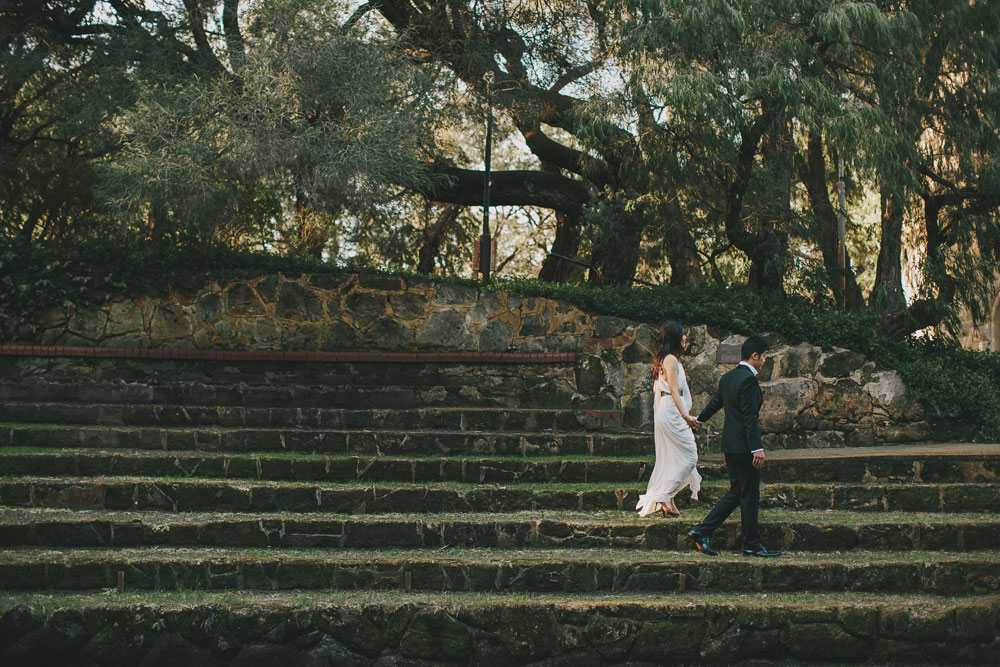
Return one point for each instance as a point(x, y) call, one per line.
point(671, 335)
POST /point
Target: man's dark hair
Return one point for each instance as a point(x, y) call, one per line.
point(751, 345)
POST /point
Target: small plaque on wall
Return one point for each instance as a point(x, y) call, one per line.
point(727, 354)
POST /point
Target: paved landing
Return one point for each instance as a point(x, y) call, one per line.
point(919, 449)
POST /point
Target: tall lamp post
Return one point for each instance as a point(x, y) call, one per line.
point(495, 17)
point(485, 240)
point(841, 233)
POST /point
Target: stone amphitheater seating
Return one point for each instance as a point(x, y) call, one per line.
point(419, 511)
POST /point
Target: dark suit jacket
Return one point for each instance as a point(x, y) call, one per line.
point(739, 393)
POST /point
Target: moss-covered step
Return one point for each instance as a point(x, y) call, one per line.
point(427, 418)
point(789, 531)
point(339, 468)
point(183, 495)
point(79, 371)
point(304, 385)
point(330, 468)
point(496, 571)
point(326, 441)
point(331, 627)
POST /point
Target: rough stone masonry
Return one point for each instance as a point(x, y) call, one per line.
point(815, 397)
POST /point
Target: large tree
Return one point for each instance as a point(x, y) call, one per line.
point(61, 79)
point(525, 58)
point(680, 116)
point(298, 115)
point(936, 159)
point(676, 139)
point(953, 124)
point(703, 120)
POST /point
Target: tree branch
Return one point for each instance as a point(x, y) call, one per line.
point(453, 39)
point(358, 14)
point(507, 260)
point(234, 38)
point(551, 151)
point(812, 172)
point(575, 74)
point(204, 50)
point(508, 188)
point(920, 315)
point(433, 235)
point(751, 137)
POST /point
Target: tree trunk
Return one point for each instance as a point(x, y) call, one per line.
point(887, 294)
point(824, 221)
point(765, 272)
point(621, 223)
point(621, 269)
point(31, 223)
point(312, 237)
point(433, 236)
point(565, 244)
point(685, 265)
point(157, 221)
point(929, 312)
point(772, 208)
point(682, 253)
point(594, 275)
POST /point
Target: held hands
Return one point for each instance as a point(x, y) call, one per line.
point(692, 422)
point(758, 459)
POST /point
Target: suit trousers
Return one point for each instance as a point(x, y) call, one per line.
point(744, 492)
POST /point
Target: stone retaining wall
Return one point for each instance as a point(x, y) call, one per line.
point(499, 634)
point(815, 397)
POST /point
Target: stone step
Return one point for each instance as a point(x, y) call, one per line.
point(585, 630)
point(837, 466)
point(141, 493)
point(328, 468)
point(283, 372)
point(497, 571)
point(789, 531)
point(304, 385)
point(346, 396)
point(326, 441)
point(430, 418)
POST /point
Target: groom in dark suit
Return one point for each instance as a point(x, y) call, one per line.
point(739, 393)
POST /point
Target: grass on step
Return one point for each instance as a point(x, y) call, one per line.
point(19, 515)
point(298, 456)
point(48, 602)
point(474, 555)
point(214, 428)
point(638, 486)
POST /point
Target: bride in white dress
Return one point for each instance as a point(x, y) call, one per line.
point(676, 452)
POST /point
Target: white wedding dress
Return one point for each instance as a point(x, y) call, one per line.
point(676, 452)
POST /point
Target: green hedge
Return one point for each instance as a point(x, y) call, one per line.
point(949, 378)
